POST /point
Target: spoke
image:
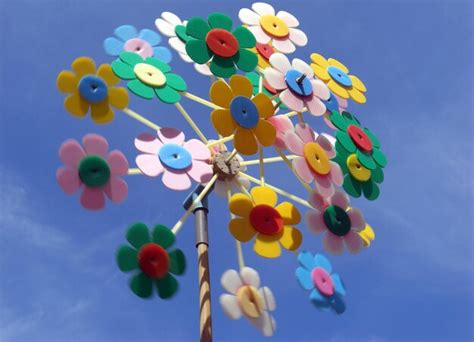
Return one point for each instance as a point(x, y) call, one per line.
point(220, 141)
point(140, 118)
point(134, 171)
point(288, 162)
point(193, 125)
point(260, 164)
point(200, 100)
point(268, 160)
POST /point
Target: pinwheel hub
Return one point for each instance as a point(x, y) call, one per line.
point(153, 260)
point(224, 166)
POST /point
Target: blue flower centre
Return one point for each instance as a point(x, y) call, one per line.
point(339, 76)
point(244, 112)
point(298, 83)
point(93, 89)
point(175, 157)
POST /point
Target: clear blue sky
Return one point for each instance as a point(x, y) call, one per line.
point(59, 281)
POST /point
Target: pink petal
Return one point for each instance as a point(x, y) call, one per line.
point(200, 171)
point(315, 221)
point(340, 199)
point(353, 242)
point(343, 104)
point(148, 143)
point(293, 102)
point(357, 219)
point(118, 163)
point(280, 62)
point(324, 185)
point(315, 106)
point(333, 244)
point(149, 164)
point(71, 153)
point(288, 18)
point(329, 123)
point(176, 180)
point(169, 135)
point(317, 201)
point(294, 143)
point(301, 168)
point(259, 34)
point(305, 132)
point(275, 78)
point(284, 45)
point(197, 149)
point(336, 174)
point(327, 146)
point(282, 124)
point(303, 67)
point(68, 179)
point(298, 37)
point(249, 17)
point(320, 89)
point(116, 189)
point(95, 144)
point(93, 198)
point(331, 140)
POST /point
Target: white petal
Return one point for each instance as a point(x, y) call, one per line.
point(164, 27)
point(259, 34)
point(177, 44)
point(203, 69)
point(275, 78)
point(171, 18)
point(268, 298)
point(284, 45)
point(298, 37)
point(231, 281)
point(250, 277)
point(289, 19)
point(185, 57)
point(230, 306)
point(331, 139)
point(220, 188)
point(249, 17)
point(320, 89)
point(265, 323)
point(303, 67)
point(280, 62)
point(263, 8)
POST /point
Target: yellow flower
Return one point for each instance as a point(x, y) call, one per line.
point(242, 115)
point(336, 76)
point(367, 235)
point(92, 89)
point(271, 225)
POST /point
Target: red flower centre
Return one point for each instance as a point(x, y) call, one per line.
point(360, 139)
point(265, 50)
point(266, 220)
point(153, 260)
point(222, 43)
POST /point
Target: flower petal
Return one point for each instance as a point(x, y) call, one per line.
point(163, 236)
point(269, 301)
point(231, 281)
point(220, 21)
point(357, 95)
point(320, 89)
point(106, 73)
point(246, 60)
point(67, 81)
point(152, 37)
point(83, 66)
point(356, 82)
point(178, 45)
point(267, 246)
point(101, 112)
point(337, 64)
point(244, 37)
point(176, 181)
point(249, 17)
point(306, 260)
point(326, 144)
point(167, 286)
point(116, 190)
point(123, 70)
point(289, 213)
point(264, 195)
point(221, 94)
point(321, 261)
point(289, 19)
point(316, 106)
point(138, 235)
point(264, 105)
point(245, 142)
point(241, 229)
point(305, 132)
point(125, 32)
point(198, 51)
point(263, 8)
point(170, 135)
point(340, 199)
point(357, 219)
point(177, 262)
point(320, 301)
point(167, 94)
point(76, 105)
point(353, 242)
point(148, 143)
point(250, 277)
point(333, 244)
point(336, 174)
point(317, 201)
point(260, 35)
point(265, 133)
point(275, 78)
point(282, 124)
point(298, 37)
point(284, 45)
point(92, 198)
point(165, 27)
point(197, 28)
point(304, 278)
point(338, 89)
point(230, 306)
point(223, 122)
point(338, 284)
point(294, 143)
point(240, 205)
point(223, 67)
point(292, 102)
point(127, 258)
point(324, 185)
point(149, 164)
point(141, 285)
point(315, 222)
point(68, 179)
point(321, 72)
point(303, 67)
point(95, 144)
point(319, 60)
point(118, 97)
point(241, 86)
point(197, 149)
point(280, 62)
point(200, 171)
point(291, 238)
point(71, 153)
point(140, 89)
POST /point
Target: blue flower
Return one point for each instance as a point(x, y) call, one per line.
point(145, 43)
point(315, 275)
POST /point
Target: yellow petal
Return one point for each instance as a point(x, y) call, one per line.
point(241, 229)
point(321, 72)
point(357, 96)
point(67, 81)
point(367, 235)
point(245, 142)
point(118, 97)
point(241, 85)
point(223, 122)
point(338, 89)
point(240, 205)
point(337, 64)
point(76, 105)
point(105, 119)
point(105, 72)
point(319, 60)
point(262, 62)
point(291, 238)
point(267, 246)
point(101, 113)
point(265, 133)
point(264, 105)
point(264, 195)
point(357, 83)
point(83, 66)
point(289, 213)
point(221, 94)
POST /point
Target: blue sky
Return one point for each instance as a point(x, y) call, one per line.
point(59, 281)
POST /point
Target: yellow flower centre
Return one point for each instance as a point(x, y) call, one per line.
point(250, 301)
point(274, 26)
point(149, 74)
point(317, 158)
point(356, 170)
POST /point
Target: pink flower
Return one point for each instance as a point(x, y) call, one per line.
point(314, 151)
point(176, 159)
point(296, 83)
point(94, 169)
point(341, 222)
point(282, 125)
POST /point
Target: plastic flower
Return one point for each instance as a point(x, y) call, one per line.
point(296, 84)
point(247, 298)
point(149, 77)
point(327, 289)
point(279, 30)
point(334, 103)
point(341, 223)
point(145, 43)
point(177, 160)
point(263, 51)
point(314, 162)
point(336, 76)
point(91, 89)
point(266, 89)
point(214, 42)
point(242, 115)
point(271, 225)
point(171, 26)
point(282, 125)
point(148, 255)
point(93, 169)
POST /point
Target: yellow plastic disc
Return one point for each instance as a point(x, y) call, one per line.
point(356, 169)
point(250, 301)
point(274, 26)
point(149, 74)
point(317, 158)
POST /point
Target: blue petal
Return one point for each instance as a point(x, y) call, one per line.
point(338, 284)
point(306, 260)
point(321, 302)
point(150, 36)
point(321, 261)
point(113, 46)
point(304, 278)
point(162, 53)
point(338, 304)
point(126, 32)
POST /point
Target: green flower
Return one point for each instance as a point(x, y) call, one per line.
point(214, 41)
point(149, 77)
point(255, 80)
point(149, 256)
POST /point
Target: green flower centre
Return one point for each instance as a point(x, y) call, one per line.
point(337, 220)
point(94, 171)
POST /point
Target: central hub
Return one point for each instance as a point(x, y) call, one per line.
point(224, 167)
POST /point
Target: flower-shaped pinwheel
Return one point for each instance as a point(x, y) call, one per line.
point(341, 222)
point(268, 90)
point(279, 30)
point(314, 151)
point(145, 43)
point(315, 275)
point(214, 42)
point(94, 169)
point(296, 83)
point(149, 77)
point(91, 89)
point(282, 125)
point(171, 26)
point(247, 298)
point(260, 217)
point(149, 256)
point(243, 114)
point(336, 76)
point(176, 159)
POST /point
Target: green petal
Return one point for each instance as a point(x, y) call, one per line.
point(222, 67)
point(176, 81)
point(167, 286)
point(372, 137)
point(140, 89)
point(163, 236)
point(158, 64)
point(198, 51)
point(131, 58)
point(142, 285)
point(246, 60)
point(197, 28)
point(123, 70)
point(245, 38)
point(366, 160)
point(379, 157)
point(341, 160)
point(341, 150)
point(180, 31)
point(345, 140)
point(127, 258)
point(254, 78)
point(138, 235)
point(219, 20)
point(177, 262)
point(350, 118)
point(371, 190)
point(352, 186)
point(377, 175)
point(167, 94)
point(338, 120)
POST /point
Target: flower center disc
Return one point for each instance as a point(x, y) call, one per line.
point(337, 220)
point(250, 301)
point(226, 169)
point(316, 158)
point(93, 89)
point(149, 74)
point(339, 76)
point(222, 43)
point(175, 157)
point(153, 260)
point(266, 220)
point(94, 171)
point(332, 103)
point(274, 26)
point(322, 281)
point(298, 83)
point(265, 50)
point(356, 170)
point(360, 139)
point(139, 46)
point(244, 112)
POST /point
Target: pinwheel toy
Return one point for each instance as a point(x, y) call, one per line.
point(259, 102)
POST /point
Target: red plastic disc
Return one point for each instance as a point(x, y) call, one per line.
point(222, 43)
point(266, 220)
point(268, 87)
point(153, 260)
point(360, 139)
point(265, 50)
